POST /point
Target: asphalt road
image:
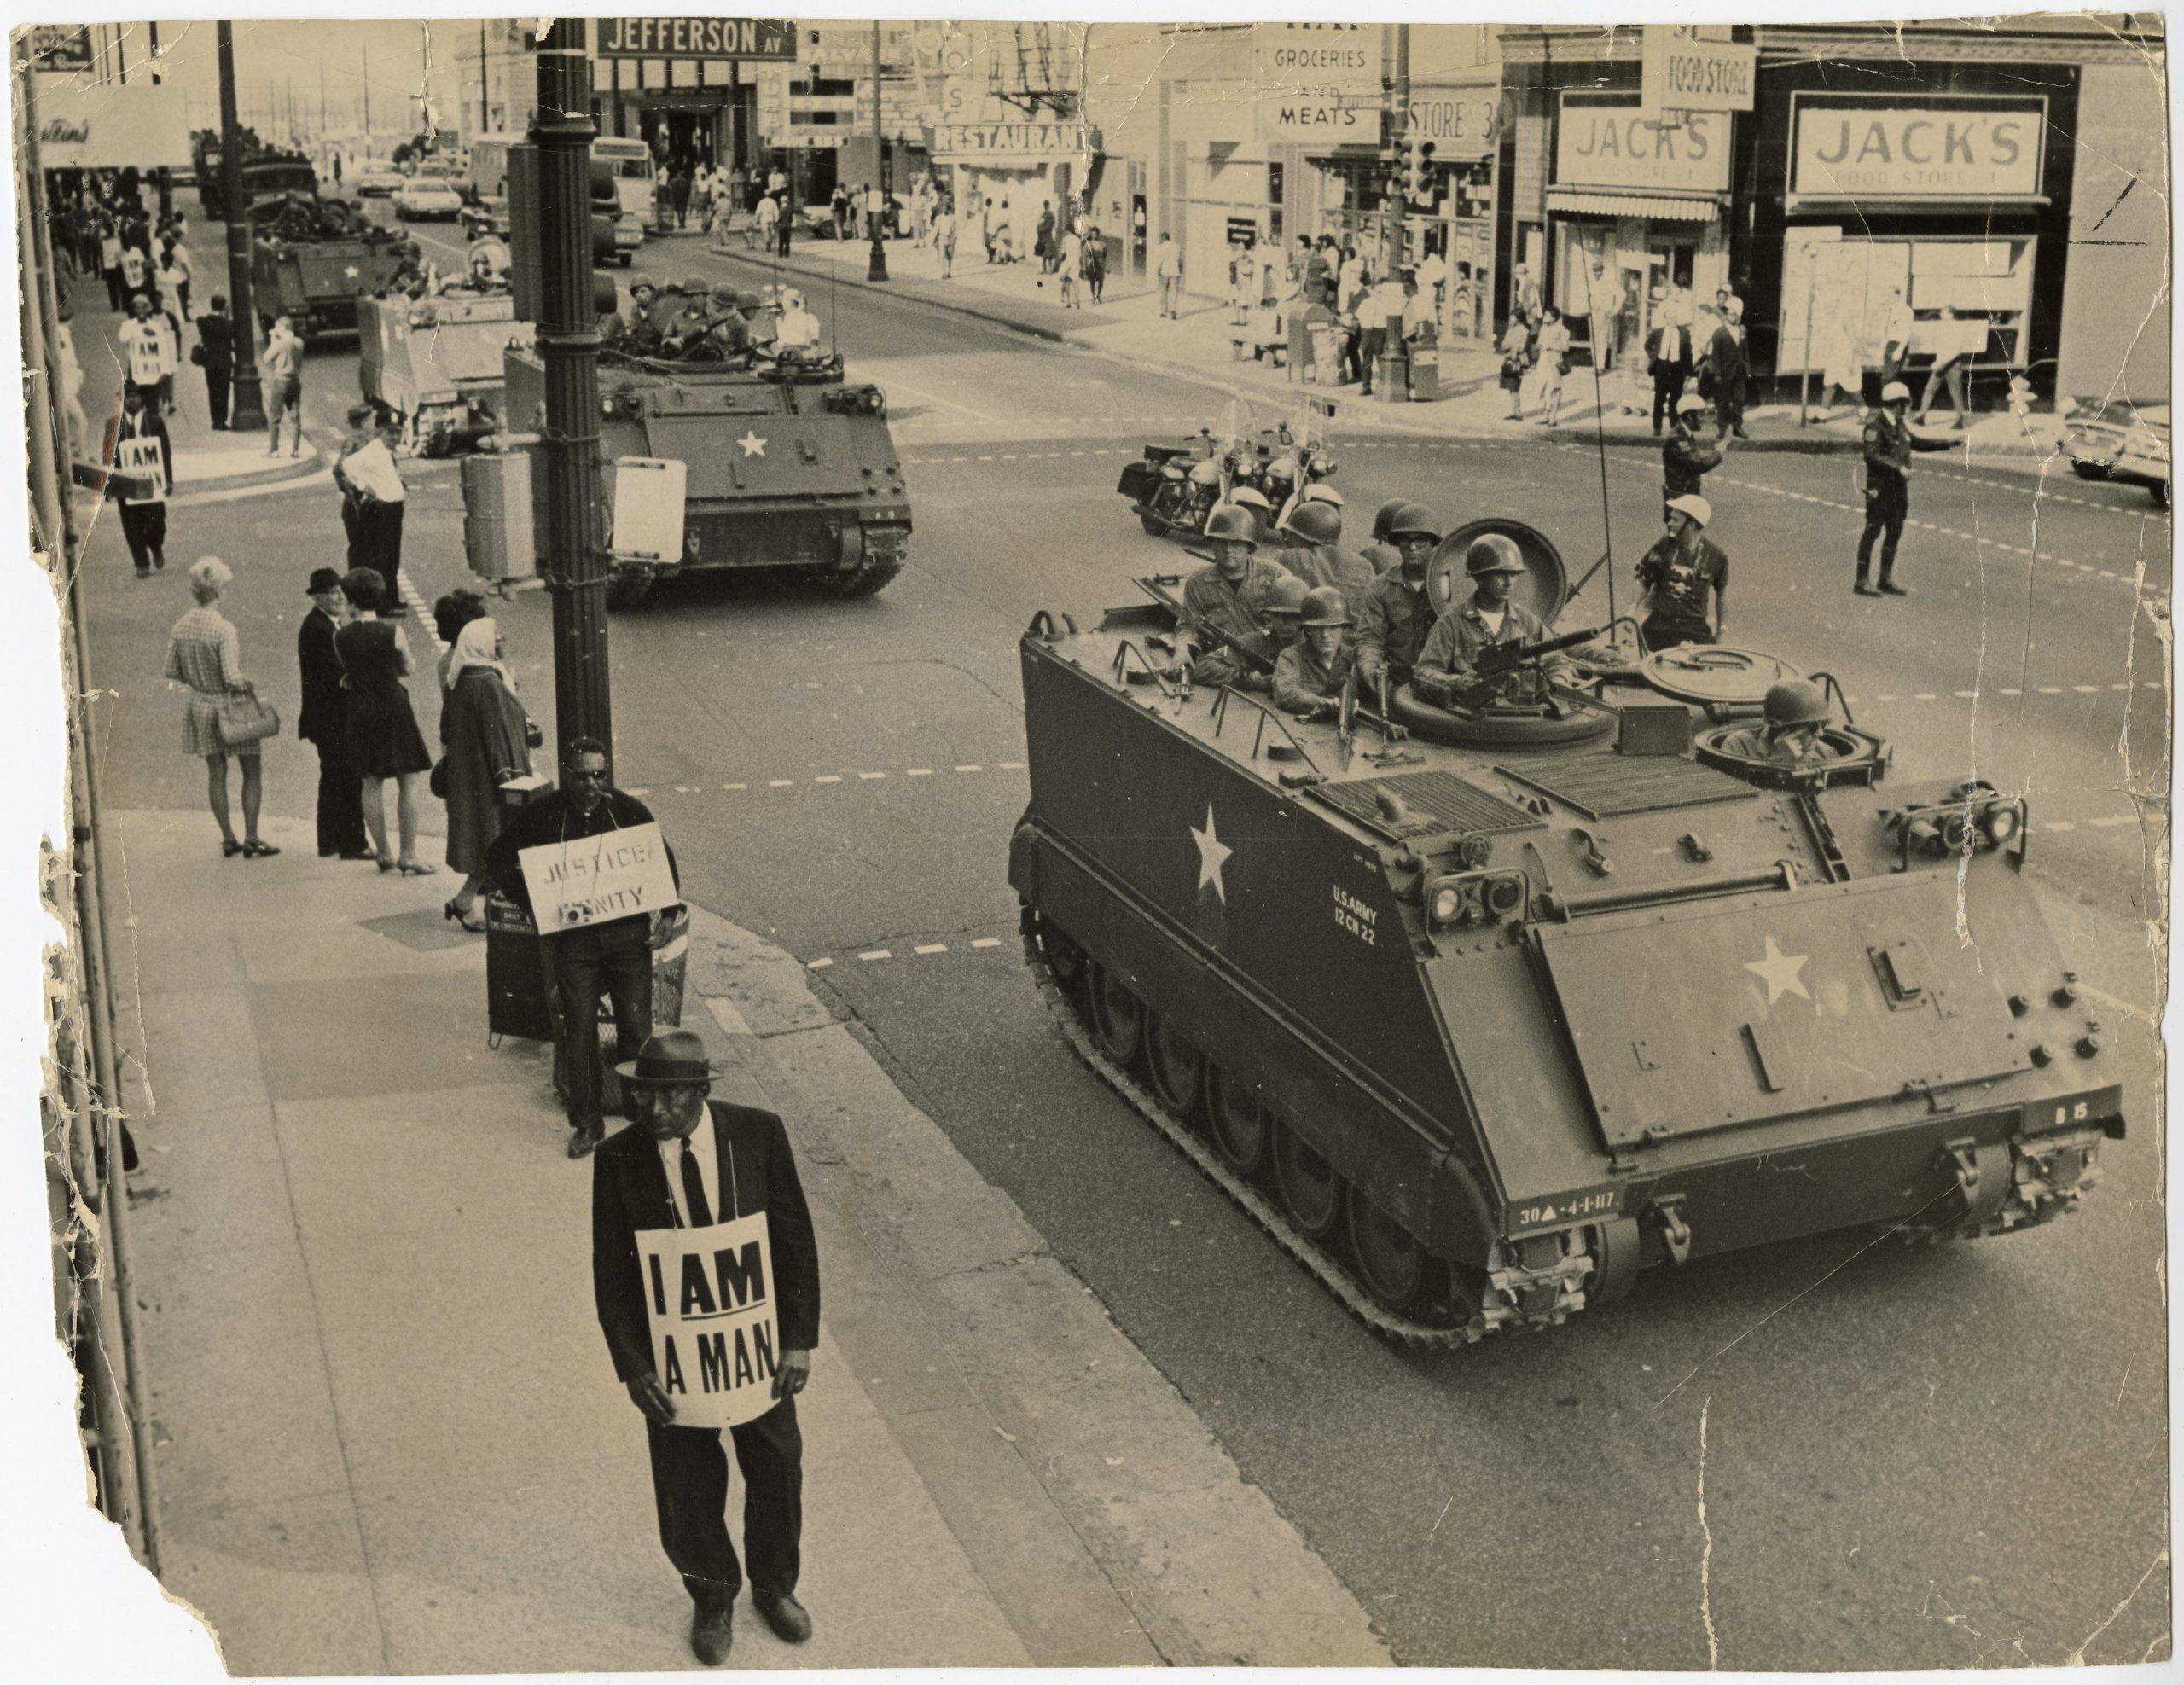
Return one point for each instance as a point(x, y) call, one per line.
point(1814, 1456)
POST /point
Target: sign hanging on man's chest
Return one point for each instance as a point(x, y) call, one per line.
point(587, 881)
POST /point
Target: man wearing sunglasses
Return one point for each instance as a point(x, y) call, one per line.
point(613, 956)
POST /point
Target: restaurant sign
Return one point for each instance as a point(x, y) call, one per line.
point(971, 141)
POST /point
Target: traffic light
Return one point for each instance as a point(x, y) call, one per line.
point(1418, 158)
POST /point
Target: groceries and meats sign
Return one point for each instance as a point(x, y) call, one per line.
point(1300, 74)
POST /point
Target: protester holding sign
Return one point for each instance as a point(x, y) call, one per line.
point(140, 451)
point(705, 1267)
point(603, 889)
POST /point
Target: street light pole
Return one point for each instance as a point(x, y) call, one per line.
point(248, 406)
point(568, 346)
point(877, 270)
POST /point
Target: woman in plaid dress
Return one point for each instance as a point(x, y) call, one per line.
point(203, 653)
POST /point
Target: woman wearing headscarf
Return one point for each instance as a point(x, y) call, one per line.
point(205, 653)
point(483, 729)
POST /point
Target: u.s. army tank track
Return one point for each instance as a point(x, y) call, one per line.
point(1248, 1199)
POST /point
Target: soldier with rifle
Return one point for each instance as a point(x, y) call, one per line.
point(1222, 637)
point(1493, 648)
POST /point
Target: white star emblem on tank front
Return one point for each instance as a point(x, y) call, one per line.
point(752, 444)
point(352, 271)
point(1212, 854)
point(1779, 971)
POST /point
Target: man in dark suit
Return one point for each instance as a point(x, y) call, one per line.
point(324, 723)
point(1673, 357)
point(216, 355)
point(728, 1162)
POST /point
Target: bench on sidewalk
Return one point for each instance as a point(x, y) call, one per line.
point(1248, 342)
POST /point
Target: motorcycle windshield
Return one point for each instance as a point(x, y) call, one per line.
point(1235, 425)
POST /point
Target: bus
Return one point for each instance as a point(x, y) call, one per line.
point(628, 162)
point(636, 179)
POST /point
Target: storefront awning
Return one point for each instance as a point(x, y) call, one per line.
point(1659, 207)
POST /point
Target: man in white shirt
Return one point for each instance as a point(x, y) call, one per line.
point(1168, 269)
point(141, 348)
point(876, 213)
point(1896, 336)
point(368, 479)
point(280, 370)
point(798, 329)
point(1385, 300)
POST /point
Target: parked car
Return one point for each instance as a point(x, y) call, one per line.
point(2121, 440)
point(425, 197)
point(376, 180)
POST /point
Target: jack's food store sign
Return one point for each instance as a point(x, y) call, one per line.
point(641, 38)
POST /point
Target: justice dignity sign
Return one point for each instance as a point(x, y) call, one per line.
point(715, 1341)
point(593, 879)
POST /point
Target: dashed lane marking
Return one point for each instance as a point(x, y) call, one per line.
point(920, 951)
point(2041, 490)
point(2151, 594)
point(968, 769)
point(876, 954)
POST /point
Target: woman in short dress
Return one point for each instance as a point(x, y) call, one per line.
point(384, 741)
point(203, 653)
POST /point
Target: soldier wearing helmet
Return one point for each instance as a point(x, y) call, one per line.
point(1889, 443)
point(1283, 606)
point(1686, 580)
point(1796, 711)
point(1686, 456)
point(1316, 554)
point(1396, 613)
point(1381, 555)
point(1308, 676)
point(692, 318)
point(1489, 616)
point(1224, 606)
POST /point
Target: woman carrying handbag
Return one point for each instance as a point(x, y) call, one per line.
point(223, 717)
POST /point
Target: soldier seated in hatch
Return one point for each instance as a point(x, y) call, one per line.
point(1796, 710)
point(1488, 616)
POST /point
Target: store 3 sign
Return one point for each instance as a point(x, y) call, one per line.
point(1916, 152)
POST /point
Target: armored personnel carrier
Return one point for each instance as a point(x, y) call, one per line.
point(437, 367)
point(787, 466)
point(1481, 1010)
point(312, 259)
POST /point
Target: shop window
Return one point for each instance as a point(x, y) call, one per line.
point(1842, 288)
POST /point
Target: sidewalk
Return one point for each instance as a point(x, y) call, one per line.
point(390, 1438)
point(1129, 328)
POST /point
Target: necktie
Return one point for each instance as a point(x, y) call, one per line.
point(693, 1191)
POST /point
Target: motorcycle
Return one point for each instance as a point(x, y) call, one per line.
point(1174, 488)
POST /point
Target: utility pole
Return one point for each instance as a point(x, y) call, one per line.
point(162, 177)
point(249, 407)
point(568, 346)
point(877, 270)
point(1396, 75)
point(121, 57)
point(484, 110)
point(367, 52)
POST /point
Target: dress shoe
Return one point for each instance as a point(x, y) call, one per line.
point(581, 1145)
point(713, 1634)
point(790, 1620)
point(358, 854)
point(1890, 588)
point(1863, 589)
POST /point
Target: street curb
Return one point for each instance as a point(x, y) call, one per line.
point(1386, 418)
point(301, 468)
point(1052, 336)
point(1086, 1431)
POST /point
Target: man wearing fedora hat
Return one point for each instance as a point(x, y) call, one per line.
point(690, 1161)
point(324, 723)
